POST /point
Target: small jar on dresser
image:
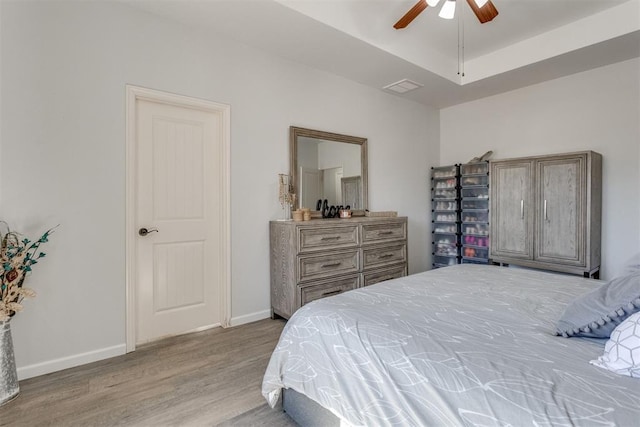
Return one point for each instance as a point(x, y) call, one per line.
point(323, 257)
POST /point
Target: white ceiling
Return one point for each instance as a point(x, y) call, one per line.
point(528, 42)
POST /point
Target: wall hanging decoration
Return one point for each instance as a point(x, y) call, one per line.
point(18, 255)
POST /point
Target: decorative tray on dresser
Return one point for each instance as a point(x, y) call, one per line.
point(323, 257)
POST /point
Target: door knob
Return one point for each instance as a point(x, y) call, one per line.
point(143, 231)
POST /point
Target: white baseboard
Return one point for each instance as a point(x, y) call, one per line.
point(70, 361)
point(248, 318)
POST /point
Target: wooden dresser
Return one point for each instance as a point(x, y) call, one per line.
point(323, 257)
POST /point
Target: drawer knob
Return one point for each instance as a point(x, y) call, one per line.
point(385, 256)
point(382, 233)
point(330, 238)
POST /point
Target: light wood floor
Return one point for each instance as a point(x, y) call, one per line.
point(202, 379)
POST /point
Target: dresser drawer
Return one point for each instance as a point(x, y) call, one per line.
point(327, 264)
point(376, 276)
point(372, 233)
point(327, 288)
point(316, 238)
point(378, 256)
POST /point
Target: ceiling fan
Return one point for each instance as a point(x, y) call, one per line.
point(484, 10)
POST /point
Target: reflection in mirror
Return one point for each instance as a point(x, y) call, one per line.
point(328, 166)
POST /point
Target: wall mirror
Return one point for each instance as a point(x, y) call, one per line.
point(329, 166)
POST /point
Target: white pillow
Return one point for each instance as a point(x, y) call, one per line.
point(622, 350)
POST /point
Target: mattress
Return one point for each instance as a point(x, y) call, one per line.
point(462, 345)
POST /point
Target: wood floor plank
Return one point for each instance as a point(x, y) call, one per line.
point(205, 378)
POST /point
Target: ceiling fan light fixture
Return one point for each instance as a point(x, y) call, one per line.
point(433, 3)
point(481, 3)
point(448, 9)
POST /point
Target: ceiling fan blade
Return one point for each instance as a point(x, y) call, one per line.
point(485, 13)
point(411, 14)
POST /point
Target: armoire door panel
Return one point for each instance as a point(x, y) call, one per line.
point(511, 210)
point(561, 212)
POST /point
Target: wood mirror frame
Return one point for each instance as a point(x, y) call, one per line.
point(297, 132)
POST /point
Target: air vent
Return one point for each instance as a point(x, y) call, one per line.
point(403, 86)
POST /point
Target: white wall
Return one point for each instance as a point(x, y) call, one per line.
point(64, 70)
point(596, 110)
point(307, 153)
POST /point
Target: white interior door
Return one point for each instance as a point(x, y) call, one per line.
point(310, 187)
point(332, 188)
point(179, 191)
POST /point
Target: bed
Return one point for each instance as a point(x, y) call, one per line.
point(462, 345)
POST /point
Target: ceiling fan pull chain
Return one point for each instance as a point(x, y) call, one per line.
point(462, 19)
point(461, 43)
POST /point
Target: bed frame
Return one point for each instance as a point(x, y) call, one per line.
point(307, 412)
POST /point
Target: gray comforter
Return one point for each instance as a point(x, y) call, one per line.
point(462, 345)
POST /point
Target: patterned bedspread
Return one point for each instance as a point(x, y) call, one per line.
point(462, 345)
